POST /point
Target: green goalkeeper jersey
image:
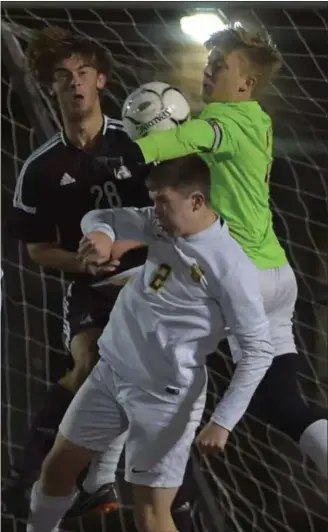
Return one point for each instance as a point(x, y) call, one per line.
point(235, 139)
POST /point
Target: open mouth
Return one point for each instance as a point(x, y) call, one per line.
point(78, 97)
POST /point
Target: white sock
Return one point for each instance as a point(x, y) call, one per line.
point(46, 511)
point(314, 443)
point(102, 469)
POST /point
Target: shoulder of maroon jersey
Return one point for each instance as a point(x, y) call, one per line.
point(114, 127)
point(41, 154)
point(112, 123)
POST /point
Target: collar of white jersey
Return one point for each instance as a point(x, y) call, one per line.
point(215, 228)
point(102, 132)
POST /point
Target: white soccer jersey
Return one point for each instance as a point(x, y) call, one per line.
point(174, 312)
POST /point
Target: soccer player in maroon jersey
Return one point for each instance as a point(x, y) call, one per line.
point(62, 180)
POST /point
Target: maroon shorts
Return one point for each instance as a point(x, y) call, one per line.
point(86, 307)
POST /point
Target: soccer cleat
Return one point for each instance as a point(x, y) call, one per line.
point(104, 500)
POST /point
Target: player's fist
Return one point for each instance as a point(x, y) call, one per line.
point(95, 248)
point(212, 438)
point(99, 271)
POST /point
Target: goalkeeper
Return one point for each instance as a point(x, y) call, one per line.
point(234, 136)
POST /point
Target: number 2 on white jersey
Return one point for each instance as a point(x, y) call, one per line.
point(161, 276)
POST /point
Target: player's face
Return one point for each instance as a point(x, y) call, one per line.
point(225, 78)
point(76, 85)
point(176, 213)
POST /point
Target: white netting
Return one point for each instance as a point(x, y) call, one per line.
point(262, 483)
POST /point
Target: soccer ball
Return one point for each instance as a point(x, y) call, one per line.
point(154, 107)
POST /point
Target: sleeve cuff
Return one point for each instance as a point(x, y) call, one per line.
point(102, 228)
point(223, 422)
point(217, 133)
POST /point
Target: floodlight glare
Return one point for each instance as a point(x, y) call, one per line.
point(201, 26)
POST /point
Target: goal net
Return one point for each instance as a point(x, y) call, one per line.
point(261, 483)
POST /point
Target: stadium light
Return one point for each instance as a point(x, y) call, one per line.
point(200, 26)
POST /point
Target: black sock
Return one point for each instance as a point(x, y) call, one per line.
point(42, 434)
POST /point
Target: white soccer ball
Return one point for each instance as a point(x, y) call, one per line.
point(154, 107)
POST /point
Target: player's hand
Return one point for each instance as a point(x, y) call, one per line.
point(103, 269)
point(95, 248)
point(212, 438)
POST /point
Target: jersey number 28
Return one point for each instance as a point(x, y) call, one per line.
point(106, 195)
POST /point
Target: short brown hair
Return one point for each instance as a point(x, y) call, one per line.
point(53, 44)
point(260, 51)
point(185, 175)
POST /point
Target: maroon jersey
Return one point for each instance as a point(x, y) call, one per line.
point(59, 183)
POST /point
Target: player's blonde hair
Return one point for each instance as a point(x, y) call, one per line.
point(261, 54)
point(53, 44)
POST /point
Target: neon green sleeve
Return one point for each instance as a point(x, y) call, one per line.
point(192, 137)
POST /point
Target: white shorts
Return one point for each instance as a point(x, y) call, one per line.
point(158, 430)
point(279, 291)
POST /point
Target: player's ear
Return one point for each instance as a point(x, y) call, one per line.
point(101, 81)
point(248, 84)
point(52, 90)
point(198, 201)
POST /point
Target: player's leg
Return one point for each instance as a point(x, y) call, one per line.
point(82, 328)
point(152, 508)
point(162, 429)
point(281, 404)
point(284, 406)
point(93, 420)
point(98, 492)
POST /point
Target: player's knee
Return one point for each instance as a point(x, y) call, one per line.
point(144, 519)
point(152, 509)
point(62, 466)
point(84, 351)
point(82, 369)
point(147, 519)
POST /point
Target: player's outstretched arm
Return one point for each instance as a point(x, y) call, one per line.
point(195, 136)
point(240, 299)
point(51, 255)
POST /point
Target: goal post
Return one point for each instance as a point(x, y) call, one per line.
point(23, 81)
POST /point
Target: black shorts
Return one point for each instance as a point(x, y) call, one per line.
point(86, 307)
point(278, 401)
